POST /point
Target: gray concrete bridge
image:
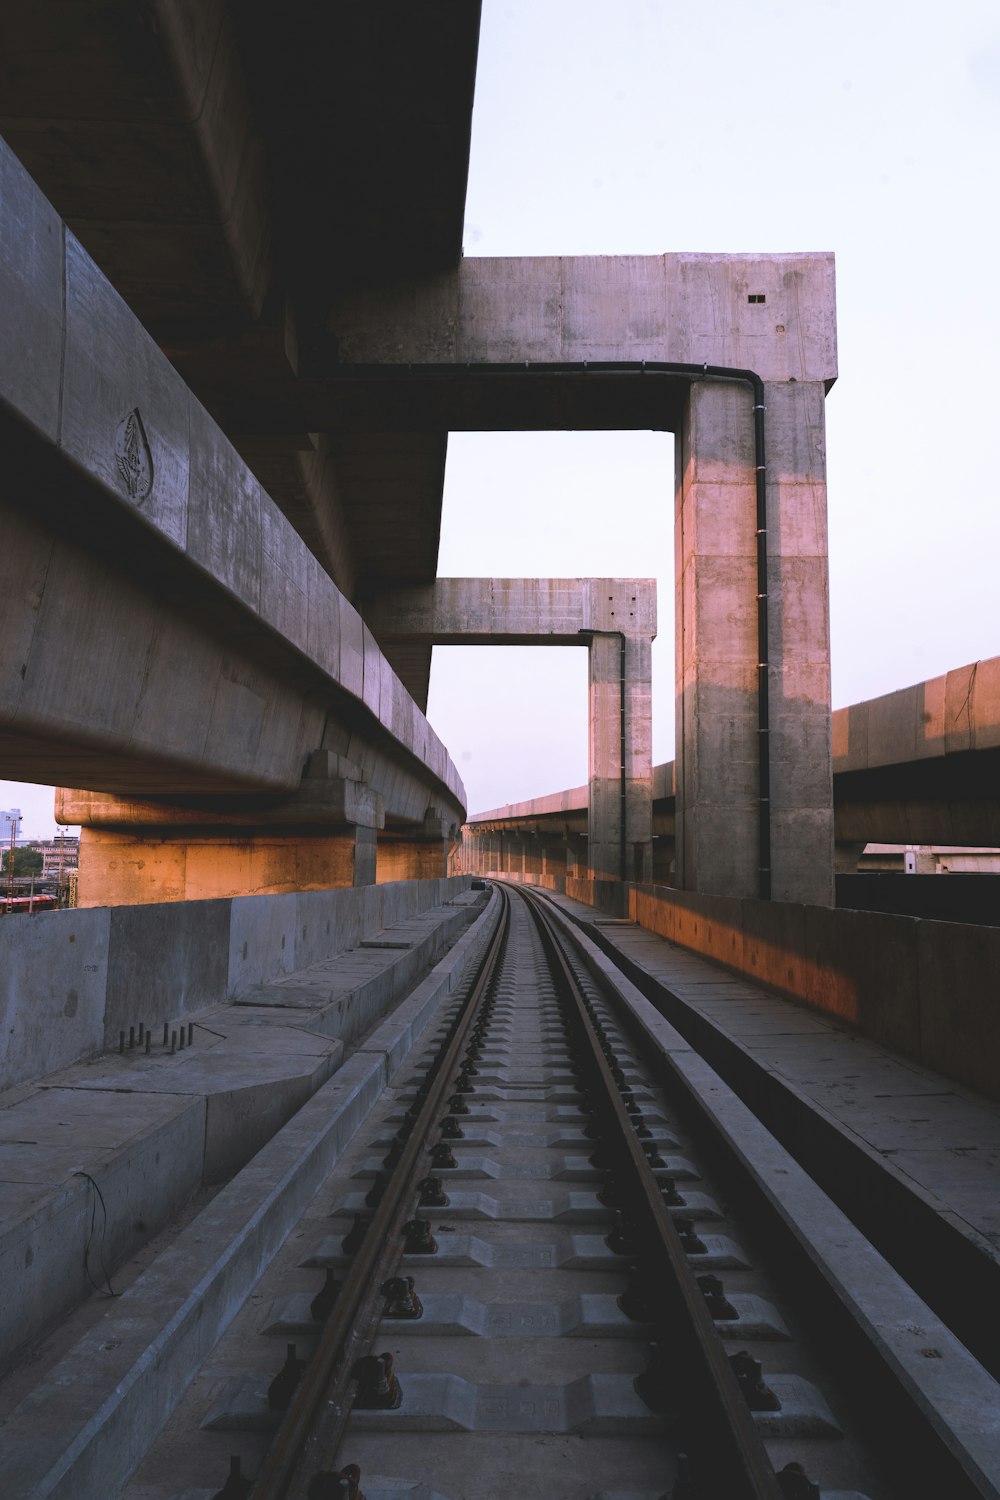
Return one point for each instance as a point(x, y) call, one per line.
point(237, 328)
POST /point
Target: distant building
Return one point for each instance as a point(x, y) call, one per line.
point(60, 855)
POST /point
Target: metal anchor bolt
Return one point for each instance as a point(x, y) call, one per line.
point(657, 1384)
point(669, 1193)
point(418, 1239)
point(373, 1197)
point(714, 1293)
point(236, 1487)
point(432, 1193)
point(758, 1396)
point(282, 1387)
point(401, 1301)
point(321, 1305)
point(352, 1239)
point(378, 1387)
point(623, 1238)
point(684, 1487)
point(451, 1130)
point(688, 1237)
point(443, 1156)
point(795, 1484)
point(457, 1105)
point(639, 1301)
point(336, 1484)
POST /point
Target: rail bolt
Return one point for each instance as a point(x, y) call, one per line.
point(401, 1301)
point(623, 1238)
point(688, 1236)
point(669, 1193)
point(639, 1301)
point(457, 1105)
point(418, 1239)
point(684, 1486)
point(657, 1385)
point(373, 1197)
point(336, 1484)
point(282, 1387)
point(321, 1305)
point(714, 1293)
point(378, 1387)
point(432, 1193)
point(237, 1486)
point(795, 1484)
point(443, 1156)
point(758, 1396)
point(352, 1239)
point(451, 1130)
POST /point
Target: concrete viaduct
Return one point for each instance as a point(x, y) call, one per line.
point(236, 331)
point(231, 355)
point(186, 597)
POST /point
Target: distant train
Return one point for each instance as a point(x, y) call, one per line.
point(43, 901)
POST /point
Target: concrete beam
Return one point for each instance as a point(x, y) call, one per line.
point(688, 308)
point(616, 620)
point(513, 611)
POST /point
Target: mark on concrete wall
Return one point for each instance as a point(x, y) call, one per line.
point(135, 464)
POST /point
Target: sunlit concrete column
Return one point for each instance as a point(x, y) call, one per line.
point(717, 644)
point(620, 827)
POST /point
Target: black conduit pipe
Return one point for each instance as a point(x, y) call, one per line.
point(645, 368)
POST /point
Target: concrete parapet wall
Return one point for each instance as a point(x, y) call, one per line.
point(71, 980)
point(926, 989)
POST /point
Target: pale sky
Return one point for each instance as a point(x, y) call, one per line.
point(869, 129)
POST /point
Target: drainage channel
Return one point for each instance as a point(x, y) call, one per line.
point(505, 1287)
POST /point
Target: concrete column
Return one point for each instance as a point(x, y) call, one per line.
point(620, 827)
point(716, 602)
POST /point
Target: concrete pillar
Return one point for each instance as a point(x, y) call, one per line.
point(716, 603)
point(620, 826)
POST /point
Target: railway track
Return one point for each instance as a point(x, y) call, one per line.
point(556, 1260)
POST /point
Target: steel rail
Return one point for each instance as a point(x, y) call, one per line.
point(311, 1430)
point(722, 1438)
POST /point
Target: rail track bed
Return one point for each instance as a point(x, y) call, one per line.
point(557, 1257)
